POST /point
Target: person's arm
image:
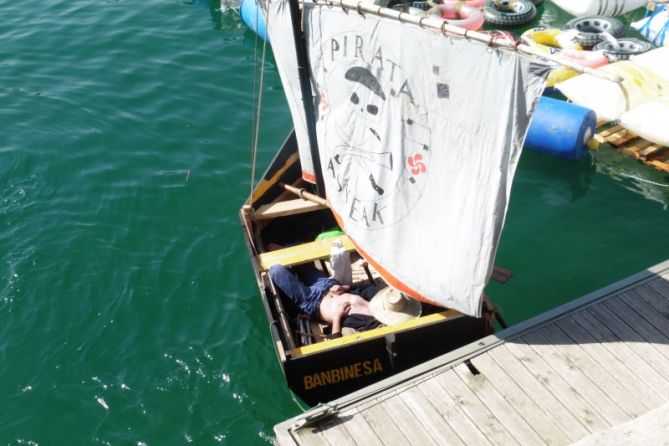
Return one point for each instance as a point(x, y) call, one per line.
point(343, 309)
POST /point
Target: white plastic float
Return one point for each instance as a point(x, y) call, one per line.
point(656, 60)
point(580, 8)
point(640, 104)
point(610, 100)
point(649, 121)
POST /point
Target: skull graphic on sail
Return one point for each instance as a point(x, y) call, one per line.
point(376, 137)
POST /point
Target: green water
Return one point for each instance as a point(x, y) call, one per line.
point(128, 309)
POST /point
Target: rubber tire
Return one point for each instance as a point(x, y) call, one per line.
point(523, 14)
point(599, 23)
point(630, 47)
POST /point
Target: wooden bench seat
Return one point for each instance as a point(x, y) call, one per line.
point(286, 208)
point(317, 250)
point(304, 253)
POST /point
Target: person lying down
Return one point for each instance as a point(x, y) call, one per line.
point(362, 308)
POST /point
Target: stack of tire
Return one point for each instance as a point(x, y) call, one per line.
point(510, 13)
point(606, 34)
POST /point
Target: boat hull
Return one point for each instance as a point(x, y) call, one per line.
point(325, 370)
point(329, 374)
point(253, 17)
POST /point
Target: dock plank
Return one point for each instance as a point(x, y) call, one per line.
point(285, 437)
point(648, 332)
point(409, 425)
point(543, 422)
point(383, 425)
point(661, 285)
point(503, 411)
point(335, 433)
point(573, 427)
point(631, 339)
point(358, 428)
point(432, 420)
point(486, 421)
point(564, 363)
point(310, 435)
point(567, 394)
point(621, 350)
point(632, 380)
point(579, 364)
point(639, 300)
point(452, 413)
point(653, 296)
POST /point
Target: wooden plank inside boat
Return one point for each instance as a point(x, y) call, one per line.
point(304, 253)
point(286, 208)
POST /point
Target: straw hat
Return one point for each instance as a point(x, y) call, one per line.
point(389, 307)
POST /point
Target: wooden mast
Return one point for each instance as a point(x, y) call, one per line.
point(307, 97)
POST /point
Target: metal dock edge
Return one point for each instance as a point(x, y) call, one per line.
point(578, 370)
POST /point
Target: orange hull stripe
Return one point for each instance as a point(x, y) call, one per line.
point(387, 276)
point(310, 177)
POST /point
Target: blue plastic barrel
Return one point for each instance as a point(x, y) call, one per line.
point(561, 129)
point(254, 18)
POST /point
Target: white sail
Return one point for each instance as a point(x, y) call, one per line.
point(280, 30)
point(419, 137)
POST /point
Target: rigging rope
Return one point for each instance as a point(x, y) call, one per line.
point(253, 103)
point(255, 130)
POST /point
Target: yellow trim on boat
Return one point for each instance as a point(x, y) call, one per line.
point(375, 333)
point(264, 185)
point(304, 253)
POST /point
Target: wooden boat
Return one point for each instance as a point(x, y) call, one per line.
point(318, 369)
point(389, 151)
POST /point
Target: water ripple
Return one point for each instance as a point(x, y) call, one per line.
point(128, 308)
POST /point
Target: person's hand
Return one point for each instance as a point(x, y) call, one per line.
point(343, 309)
point(339, 289)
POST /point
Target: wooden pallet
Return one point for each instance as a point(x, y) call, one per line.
point(630, 144)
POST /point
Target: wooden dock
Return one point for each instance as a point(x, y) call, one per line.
point(576, 372)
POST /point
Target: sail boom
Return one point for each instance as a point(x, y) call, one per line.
point(444, 27)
